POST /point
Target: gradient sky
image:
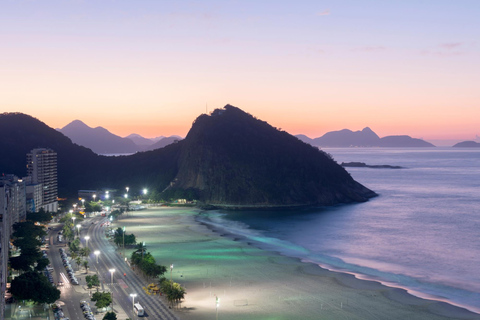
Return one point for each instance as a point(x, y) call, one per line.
point(151, 67)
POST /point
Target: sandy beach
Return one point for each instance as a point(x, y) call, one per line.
point(256, 284)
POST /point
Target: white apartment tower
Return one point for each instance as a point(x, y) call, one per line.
point(42, 169)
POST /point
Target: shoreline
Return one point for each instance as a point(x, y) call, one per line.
point(255, 283)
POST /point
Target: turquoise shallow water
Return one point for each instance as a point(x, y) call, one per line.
point(422, 233)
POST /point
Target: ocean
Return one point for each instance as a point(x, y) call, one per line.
point(421, 233)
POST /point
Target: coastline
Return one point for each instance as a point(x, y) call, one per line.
point(259, 284)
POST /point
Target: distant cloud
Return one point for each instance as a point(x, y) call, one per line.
point(370, 49)
point(448, 49)
point(324, 13)
point(450, 46)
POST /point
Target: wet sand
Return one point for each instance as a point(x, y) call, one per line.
point(257, 284)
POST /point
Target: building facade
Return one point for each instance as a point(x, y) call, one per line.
point(12, 210)
point(42, 169)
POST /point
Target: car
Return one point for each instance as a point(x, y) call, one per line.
point(60, 283)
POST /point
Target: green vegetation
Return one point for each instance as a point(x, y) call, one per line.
point(93, 206)
point(118, 239)
point(102, 299)
point(41, 216)
point(110, 316)
point(92, 281)
point(26, 237)
point(174, 292)
point(146, 263)
point(34, 286)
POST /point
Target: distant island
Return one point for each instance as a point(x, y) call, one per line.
point(229, 159)
point(366, 138)
point(364, 165)
point(467, 144)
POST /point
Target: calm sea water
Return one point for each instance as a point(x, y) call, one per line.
point(422, 233)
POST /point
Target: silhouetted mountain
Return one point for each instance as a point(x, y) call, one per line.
point(365, 138)
point(79, 167)
point(403, 142)
point(348, 138)
point(227, 158)
point(163, 142)
point(99, 140)
point(304, 138)
point(467, 144)
point(139, 140)
point(232, 159)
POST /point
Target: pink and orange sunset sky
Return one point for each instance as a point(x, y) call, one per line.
point(309, 67)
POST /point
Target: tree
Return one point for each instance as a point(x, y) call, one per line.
point(102, 299)
point(27, 229)
point(34, 286)
point(26, 260)
point(93, 206)
point(130, 239)
point(173, 291)
point(85, 265)
point(75, 246)
point(110, 316)
point(92, 281)
point(41, 264)
point(78, 261)
point(40, 216)
point(84, 252)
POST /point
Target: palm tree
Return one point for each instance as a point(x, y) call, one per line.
point(84, 252)
point(85, 264)
point(78, 260)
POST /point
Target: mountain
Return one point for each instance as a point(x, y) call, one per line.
point(79, 167)
point(99, 140)
point(163, 142)
point(139, 140)
point(403, 142)
point(228, 158)
point(365, 138)
point(467, 144)
point(231, 159)
point(348, 138)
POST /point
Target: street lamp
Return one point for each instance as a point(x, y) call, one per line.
point(78, 227)
point(133, 295)
point(96, 253)
point(74, 207)
point(217, 304)
point(83, 203)
point(111, 273)
point(127, 189)
point(144, 191)
point(171, 269)
point(94, 197)
point(143, 248)
point(123, 233)
point(125, 195)
point(86, 239)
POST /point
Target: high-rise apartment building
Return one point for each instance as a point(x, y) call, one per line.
point(12, 210)
point(42, 169)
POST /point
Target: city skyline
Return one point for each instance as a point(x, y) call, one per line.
point(309, 68)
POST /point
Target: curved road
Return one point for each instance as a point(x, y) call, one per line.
point(122, 286)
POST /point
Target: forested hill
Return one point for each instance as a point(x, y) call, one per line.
point(231, 158)
point(79, 167)
point(227, 158)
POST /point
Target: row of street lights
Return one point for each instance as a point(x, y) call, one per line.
point(97, 252)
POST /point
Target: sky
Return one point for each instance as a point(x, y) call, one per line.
point(152, 66)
